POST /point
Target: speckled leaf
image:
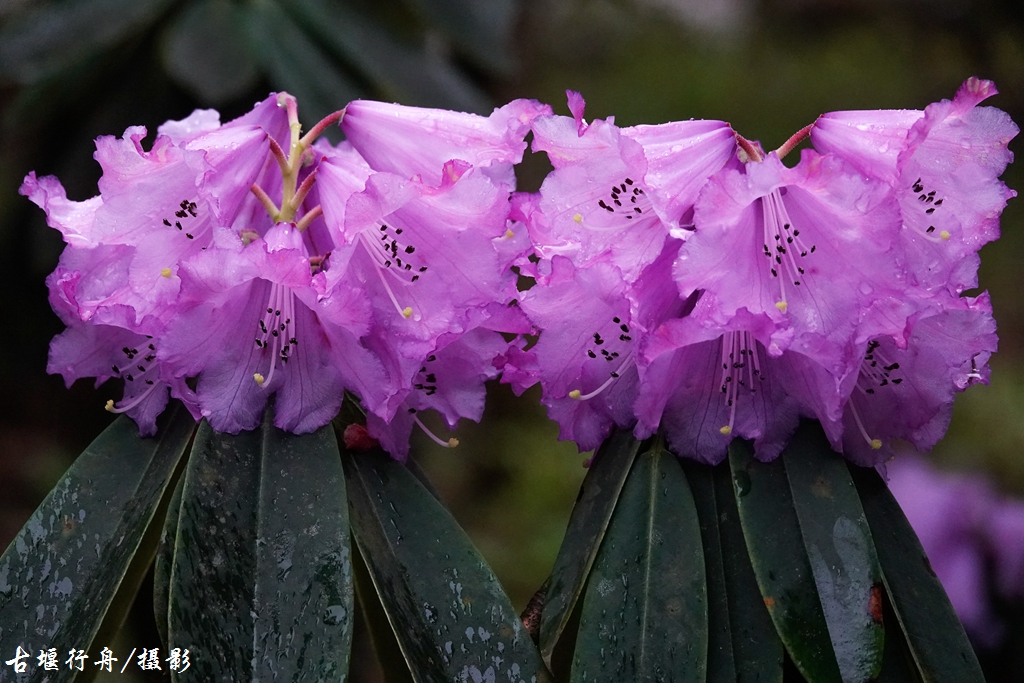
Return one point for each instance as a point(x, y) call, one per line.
point(64, 568)
point(935, 637)
point(771, 531)
point(261, 583)
point(587, 523)
point(742, 643)
point(645, 613)
point(295, 63)
point(204, 49)
point(451, 619)
point(840, 549)
point(164, 560)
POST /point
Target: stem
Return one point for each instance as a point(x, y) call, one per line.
point(278, 153)
point(310, 216)
point(266, 201)
point(319, 128)
point(747, 146)
point(794, 140)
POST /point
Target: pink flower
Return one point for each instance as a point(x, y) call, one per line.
point(944, 164)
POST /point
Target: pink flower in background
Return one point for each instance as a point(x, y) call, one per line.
point(944, 164)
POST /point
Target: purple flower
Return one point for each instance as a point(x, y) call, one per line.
point(944, 164)
point(616, 193)
point(811, 247)
point(426, 233)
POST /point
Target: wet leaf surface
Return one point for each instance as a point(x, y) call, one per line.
point(742, 643)
point(62, 571)
point(935, 638)
point(164, 561)
point(771, 531)
point(645, 613)
point(448, 613)
point(842, 554)
point(587, 523)
point(261, 583)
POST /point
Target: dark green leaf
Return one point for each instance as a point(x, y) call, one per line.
point(406, 73)
point(783, 570)
point(451, 619)
point(294, 63)
point(840, 549)
point(483, 28)
point(587, 524)
point(936, 639)
point(63, 569)
point(164, 561)
point(385, 644)
point(645, 614)
point(261, 585)
point(53, 36)
point(205, 50)
point(742, 643)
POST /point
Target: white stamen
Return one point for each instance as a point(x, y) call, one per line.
point(111, 408)
point(450, 443)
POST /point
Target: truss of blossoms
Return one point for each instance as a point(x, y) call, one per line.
point(687, 280)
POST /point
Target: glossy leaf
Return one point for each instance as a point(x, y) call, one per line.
point(62, 571)
point(164, 561)
point(385, 644)
point(449, 615)
point(205, 51)
point(403, 72)
point(645, 614)
point(261, 583)
point(935, 637)
point(587, 523)
point(52, 36)
point(841, 551)
point(780, 562)
point(742, 643)
point(295, 63)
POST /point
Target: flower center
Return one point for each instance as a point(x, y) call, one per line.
point(741, 370)
point(186, 212)
point(139, 373)
point(876, 371)
point(783, 246)
point(604, 348)
point(276, 330)
point(393, 259)
point(927, 203)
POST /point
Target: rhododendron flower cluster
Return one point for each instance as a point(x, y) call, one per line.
point(232, 263)
point(687, 281)
point(716, 292)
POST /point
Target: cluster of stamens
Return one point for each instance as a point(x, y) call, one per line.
point(599, 350)
point(276, 330)
point(427, 381)
point(392, 257)
point(186, 209)
point(741, 369)
point(135, 368)
point(783, 246)
point(621, 193)
point(876, 371)
point(928, 200)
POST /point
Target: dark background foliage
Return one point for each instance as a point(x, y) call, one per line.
point(71, 70)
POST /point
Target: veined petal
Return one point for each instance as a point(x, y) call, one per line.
point(73, 219)
point(413, 141)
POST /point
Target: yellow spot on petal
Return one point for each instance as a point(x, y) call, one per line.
point(726, 430)
point(453, 442)
point(782, 306)
point(575, 394)
point(166, 272)
point(578, 218)
point(944, 234)
point(509, 234)
point(876, 444)
point(260, 379)
point(407, 312)
point(109, 407)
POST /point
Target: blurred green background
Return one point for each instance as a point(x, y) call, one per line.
point(72, 70)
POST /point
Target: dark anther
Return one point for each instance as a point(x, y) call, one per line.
point(409, 249)
point(589, 353)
